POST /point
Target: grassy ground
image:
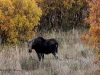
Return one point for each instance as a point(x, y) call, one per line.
point(77, 58)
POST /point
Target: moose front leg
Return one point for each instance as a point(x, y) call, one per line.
point(42, 55)
point(39, 56)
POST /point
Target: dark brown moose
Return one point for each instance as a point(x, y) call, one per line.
point(43, 46)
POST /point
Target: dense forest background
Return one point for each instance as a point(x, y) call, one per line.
point(22, 19)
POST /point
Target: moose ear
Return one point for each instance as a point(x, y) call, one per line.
point(29, 41)
point(26, 41)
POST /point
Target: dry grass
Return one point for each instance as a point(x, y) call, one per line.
point(77, 58)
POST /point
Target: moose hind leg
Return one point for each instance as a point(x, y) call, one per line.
point(55, 55)
point(54, 51)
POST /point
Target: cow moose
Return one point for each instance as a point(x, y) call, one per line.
point(43, 46)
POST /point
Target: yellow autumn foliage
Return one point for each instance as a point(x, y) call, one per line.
point(17, 20)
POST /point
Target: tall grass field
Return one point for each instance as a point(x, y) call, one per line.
point(76, 57)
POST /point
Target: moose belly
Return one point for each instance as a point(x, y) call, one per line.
point(46, 51)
